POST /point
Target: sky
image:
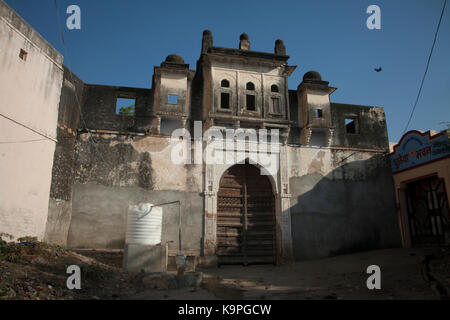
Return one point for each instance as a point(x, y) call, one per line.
point(120, 41)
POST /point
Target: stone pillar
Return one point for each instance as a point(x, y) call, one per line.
point(285, 207)
point(156, 125)
point(305, 135)
point(209, 248)
point(210, 196)
point(286, 232)
point(330, 134)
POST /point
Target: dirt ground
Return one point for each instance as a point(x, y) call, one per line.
point(38, 271)
point(405, 274)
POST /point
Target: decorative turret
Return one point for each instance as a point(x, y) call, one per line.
point(207, 41)
point(314, 104)
point(244, 43)
point(280, 49)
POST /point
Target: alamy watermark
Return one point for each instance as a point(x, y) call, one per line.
point(374, 20)
point(74, 280)
point(228, 146)
point(374, 280)
point(73, 21)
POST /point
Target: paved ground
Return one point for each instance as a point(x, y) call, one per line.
point(403, 276)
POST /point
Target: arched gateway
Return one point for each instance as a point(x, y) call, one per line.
point(245, 217)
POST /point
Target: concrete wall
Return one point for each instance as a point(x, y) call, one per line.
point(100, 213)
point(342, 202)
point(121, 170)
point(29, 97)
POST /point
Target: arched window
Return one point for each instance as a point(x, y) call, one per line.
point(274, 88)
point(250, 86)
point(225, 83)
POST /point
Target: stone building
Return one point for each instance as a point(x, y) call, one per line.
point(327, 187)
point(301, 177)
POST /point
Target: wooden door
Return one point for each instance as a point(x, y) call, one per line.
point(245, 217)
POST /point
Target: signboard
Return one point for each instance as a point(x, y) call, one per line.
point(416, 148)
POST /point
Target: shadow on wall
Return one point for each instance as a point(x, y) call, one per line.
point(350, 209)
point(99, 217)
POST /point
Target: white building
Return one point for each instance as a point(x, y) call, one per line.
point(31, 76)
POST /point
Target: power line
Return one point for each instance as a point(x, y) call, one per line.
point(29, 128)
point(426, 69)
point(71, 77)
point(22, 141)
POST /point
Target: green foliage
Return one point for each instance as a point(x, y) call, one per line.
point(126, 111)
point(27, 239)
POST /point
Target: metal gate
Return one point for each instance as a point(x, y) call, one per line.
point(245, 217)
point(427, 212)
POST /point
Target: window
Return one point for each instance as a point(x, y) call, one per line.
point(173, 99)
point(225, 83)
point(225, 100)
point(318, 113)
point(274, 88)
point(250, 86)
point(351, 125)
point(251, 102)
point(23, 55)
point(125, 106)
point(276, 105)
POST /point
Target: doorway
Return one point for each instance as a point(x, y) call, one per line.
point(428, 212)
point(246, 232)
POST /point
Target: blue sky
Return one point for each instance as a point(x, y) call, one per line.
point(120, 41)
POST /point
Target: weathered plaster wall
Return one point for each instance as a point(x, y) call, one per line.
point(99, 108)
point(342, 201)
point(29, 97)
point(60, 202)
point(371, 122)
point(174, 84)
point(115, 171)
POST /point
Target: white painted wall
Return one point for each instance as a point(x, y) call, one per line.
point(29, 97)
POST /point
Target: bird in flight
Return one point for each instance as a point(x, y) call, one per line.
point(378, 69)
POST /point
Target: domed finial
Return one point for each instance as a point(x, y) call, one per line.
point(207, 41)
point(174, 58)
point(244, 43)
point(280, 49)
point(312, 76)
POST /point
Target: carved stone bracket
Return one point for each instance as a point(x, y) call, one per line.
point(306, 135)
